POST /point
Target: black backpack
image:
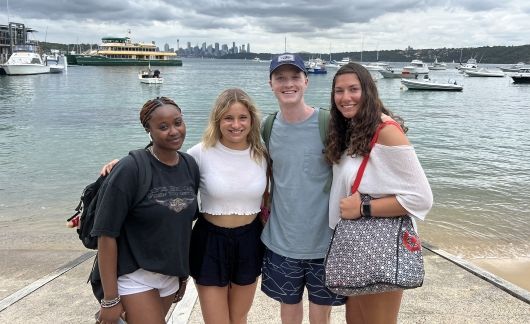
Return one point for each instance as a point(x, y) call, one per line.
point(86, 209)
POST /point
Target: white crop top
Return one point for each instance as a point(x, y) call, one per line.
point(231, 181)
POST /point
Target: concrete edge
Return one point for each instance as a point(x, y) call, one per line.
point(500, 283)
point(181, 312)
point(21, 293)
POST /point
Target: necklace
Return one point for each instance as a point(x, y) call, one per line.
point(156, 157)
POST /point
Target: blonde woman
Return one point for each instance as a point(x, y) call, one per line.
point(226, 251)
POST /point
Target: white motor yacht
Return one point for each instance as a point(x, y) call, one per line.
point(522, 76)
point(415, 68)
point(427, 84)
point(25, 60)
point(471, 65)
point(484, 73)
point(437, 66)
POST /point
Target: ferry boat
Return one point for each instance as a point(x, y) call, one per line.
point(121, 51)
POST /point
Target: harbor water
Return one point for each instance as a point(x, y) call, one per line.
point(57, 130)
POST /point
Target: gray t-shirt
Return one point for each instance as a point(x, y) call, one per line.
point(298, 225)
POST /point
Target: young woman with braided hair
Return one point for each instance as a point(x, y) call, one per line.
point(394, 179)
point(143, 250)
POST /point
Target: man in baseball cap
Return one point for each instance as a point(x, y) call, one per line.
point(287, 58)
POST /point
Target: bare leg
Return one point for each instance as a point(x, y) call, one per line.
point(240, 300)
point(146, 307)
point(319, 313)
point(354, 314)
point(380, 308)
point(292, 313)
point(214, 304)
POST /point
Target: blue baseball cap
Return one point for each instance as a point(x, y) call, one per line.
point(287, 58)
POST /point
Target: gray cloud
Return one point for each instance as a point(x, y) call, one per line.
point(403, 22)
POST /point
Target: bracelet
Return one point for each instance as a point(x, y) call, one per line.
point(361, 209)
point(110, 303)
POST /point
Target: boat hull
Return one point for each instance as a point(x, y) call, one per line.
point(26, 69)
point(152, 80)
point(521, 79)
point(484, 74)
point(418, 85)
point(103, 61)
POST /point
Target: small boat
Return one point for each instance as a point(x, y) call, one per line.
point(316, 66)
point(56, 63)
point(471, 65)
point(150, 77)
point(376, 66)
point(25, 60)
point(408, 72)
point(436, 66)
point(390, 73)
point(415, 68)
point(522, 76)
point(484, 73)
point(512, 68)
point(427, 84)
point(344, 61)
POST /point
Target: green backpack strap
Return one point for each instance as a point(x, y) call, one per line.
point(267, 128)
point(323, 127)
point(323, 124)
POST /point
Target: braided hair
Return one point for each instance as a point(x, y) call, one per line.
point(150, 106)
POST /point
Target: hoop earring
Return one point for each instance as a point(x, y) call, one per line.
point(150, 138)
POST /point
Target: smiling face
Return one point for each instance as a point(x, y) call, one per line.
point(347, 94)
point(235, 125)
point(288, 84)
point(167, 128)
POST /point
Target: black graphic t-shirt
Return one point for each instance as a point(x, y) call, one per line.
point(155, 235)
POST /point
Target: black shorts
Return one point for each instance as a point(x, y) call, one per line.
point(220, 256)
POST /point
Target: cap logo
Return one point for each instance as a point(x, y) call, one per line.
point(286, 58)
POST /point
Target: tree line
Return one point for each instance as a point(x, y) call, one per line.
point(484, 54)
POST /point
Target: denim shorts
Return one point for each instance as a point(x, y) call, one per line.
point(220, 256)
point(284, 279)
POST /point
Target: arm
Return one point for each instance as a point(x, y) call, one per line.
point(389, 206)
point(107, 260)
point(384, 207)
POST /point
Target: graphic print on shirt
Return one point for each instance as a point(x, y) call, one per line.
point(175, 198)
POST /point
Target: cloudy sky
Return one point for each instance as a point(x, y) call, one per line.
point(313, 26)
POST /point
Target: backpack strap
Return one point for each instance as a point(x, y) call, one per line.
point(266, 130)
point(323, 127)
point(144, 173)
point(323, 124)
point(360, 172)
point(192, 167)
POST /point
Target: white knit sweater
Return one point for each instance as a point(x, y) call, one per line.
point(391, 170)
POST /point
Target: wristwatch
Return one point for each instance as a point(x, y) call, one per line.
point(366, 207)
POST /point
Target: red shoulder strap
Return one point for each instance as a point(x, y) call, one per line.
point(360, 172)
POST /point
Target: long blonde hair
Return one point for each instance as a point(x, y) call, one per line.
point(224, 101)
